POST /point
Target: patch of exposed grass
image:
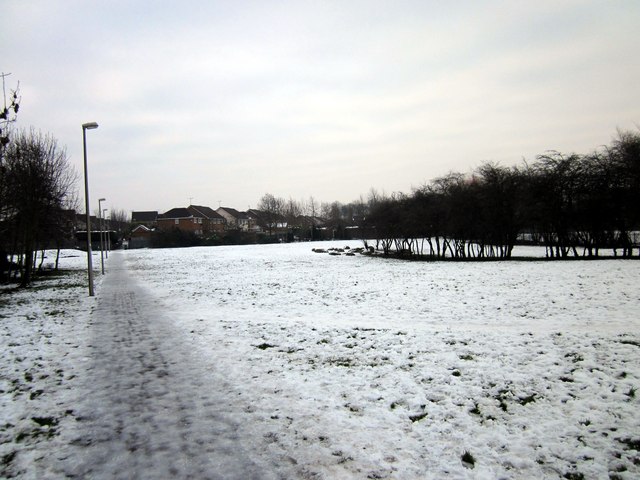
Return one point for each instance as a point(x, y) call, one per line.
point(502, 396)
point(630, 443)
point(476, 409)
point(417, 417)
point(47, 427)
point(45, 421)
point(8, 458)
point(468, 460)
point(528, 399)
point(341, 362)
point(573, 476)
point(575, 357)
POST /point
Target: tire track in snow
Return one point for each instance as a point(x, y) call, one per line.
point(149, 410)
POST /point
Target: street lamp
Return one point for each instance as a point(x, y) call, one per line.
point(100, 200)
point(85, 127)
point(107, 240)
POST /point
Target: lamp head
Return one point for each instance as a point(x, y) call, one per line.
point(90, 125)
point(102, 199)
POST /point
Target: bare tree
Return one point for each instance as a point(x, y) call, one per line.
point(272, 208)
point(374, 197)
point(39, 183)
point(292, 210)
point(119, 219)
point(8, 114)
point(624, 155)
point(312, 207)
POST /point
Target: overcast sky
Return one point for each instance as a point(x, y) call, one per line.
point(223, 101)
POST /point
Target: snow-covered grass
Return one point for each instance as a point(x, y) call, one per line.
point(359, 367)
point(44, 332)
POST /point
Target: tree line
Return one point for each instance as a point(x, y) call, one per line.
point(302, 218)
point(575, 205)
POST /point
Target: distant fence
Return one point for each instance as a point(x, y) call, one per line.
point(109, 235)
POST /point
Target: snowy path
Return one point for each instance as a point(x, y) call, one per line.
point(148, 412)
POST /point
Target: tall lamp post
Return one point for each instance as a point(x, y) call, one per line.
point(107, 240)
point(85, 127)
point(100, 200)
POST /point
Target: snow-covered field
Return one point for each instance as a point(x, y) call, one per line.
point(359, 367)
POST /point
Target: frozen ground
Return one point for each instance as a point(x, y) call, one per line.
point(277, 362)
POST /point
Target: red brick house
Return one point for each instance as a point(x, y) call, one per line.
point(212, 223)
point(181, 219)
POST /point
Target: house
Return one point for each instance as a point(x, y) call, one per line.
point(81, 231)
point(307, 227)
point(81, 222)
point(181, 219)
point(235, 219)
point(140, 237)
point(270, 223)
point(258, 220)
point(147, 218)
point(212, 223)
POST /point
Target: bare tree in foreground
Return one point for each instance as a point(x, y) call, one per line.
point(39, 184)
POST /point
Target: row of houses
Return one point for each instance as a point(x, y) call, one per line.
point(205, 222)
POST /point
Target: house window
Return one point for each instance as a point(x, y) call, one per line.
point(177, 221)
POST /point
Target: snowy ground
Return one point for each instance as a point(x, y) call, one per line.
point(277, 362)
